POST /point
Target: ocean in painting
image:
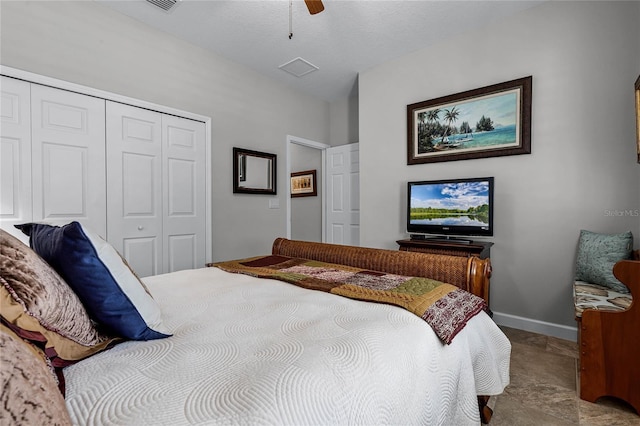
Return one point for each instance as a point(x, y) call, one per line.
point(500, 136)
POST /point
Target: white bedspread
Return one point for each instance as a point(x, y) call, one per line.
point(250, 351)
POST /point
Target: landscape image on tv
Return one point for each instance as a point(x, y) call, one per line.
point(449, 204)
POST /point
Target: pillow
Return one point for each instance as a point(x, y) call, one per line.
point(112, 294)
point(39, 306)
point(597, 253)
point(30, 392)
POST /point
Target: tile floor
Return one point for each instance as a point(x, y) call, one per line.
point(543, 388)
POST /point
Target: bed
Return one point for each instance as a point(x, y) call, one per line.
point(249, 350)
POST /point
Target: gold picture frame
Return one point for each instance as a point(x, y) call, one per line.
point(303, 184)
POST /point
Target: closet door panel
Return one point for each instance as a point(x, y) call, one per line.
point(182, 252)
point(64, 173)
point(184, 186)
point(141, 254)
point(134, 193)
point(68, 158)
point(15, 155)
point(138, 176)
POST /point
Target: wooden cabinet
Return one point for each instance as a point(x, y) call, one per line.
point(479, 249)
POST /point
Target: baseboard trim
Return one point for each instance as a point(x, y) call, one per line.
point(536, 326)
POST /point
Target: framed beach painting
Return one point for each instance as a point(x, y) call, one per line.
point(487, 122)
point(303, 184)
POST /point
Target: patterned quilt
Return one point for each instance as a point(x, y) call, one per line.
point(446, 308)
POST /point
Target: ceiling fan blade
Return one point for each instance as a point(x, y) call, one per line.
point(314, 6)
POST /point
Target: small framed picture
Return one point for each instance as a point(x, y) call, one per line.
point(303, 184)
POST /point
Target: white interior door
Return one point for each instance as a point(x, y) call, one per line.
point(184, 189)
point(68, 157)
point(134, 172)
point(15, 155)
point(343, 195)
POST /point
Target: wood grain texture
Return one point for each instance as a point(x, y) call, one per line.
point(471, 274)
point(609, 345)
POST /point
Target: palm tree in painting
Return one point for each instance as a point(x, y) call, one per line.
point(450, 116)
point(432, 115)
point(428, 128)
point(422, 134)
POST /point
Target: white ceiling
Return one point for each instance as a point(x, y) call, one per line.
point(344, 39)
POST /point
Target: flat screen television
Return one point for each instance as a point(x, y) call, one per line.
point(450, 208)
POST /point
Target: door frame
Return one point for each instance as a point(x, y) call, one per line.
point(311, 144)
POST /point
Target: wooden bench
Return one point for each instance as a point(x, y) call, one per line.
point(609, 341)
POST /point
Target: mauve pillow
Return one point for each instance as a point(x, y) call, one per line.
point(39, 305)
point(30, 394)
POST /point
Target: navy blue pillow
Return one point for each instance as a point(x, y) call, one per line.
point(111, 293)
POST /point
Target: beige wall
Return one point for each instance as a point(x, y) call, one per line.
point(343, 120)
point(584, 59)
point(88, 44)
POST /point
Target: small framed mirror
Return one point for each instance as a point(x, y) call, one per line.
point(254, 172)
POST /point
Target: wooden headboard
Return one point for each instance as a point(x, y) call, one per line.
point(469, 273)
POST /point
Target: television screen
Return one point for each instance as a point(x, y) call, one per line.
point(451, 207)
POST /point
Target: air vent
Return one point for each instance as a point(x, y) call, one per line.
point(166, 5)
point(298, 67)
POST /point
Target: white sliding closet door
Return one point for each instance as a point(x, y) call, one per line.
point(134, 192)
point(156, 171)
point(134, 175)
point(184, 189)
point(15, 155)
point(68, 157)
